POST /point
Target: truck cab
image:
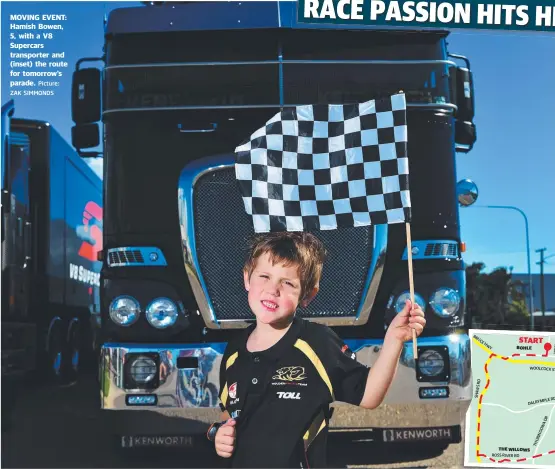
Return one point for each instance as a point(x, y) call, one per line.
point(182, 85)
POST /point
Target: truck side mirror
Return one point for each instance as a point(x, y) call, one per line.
point(86, 96)
point(85, 136)
point(465, 136)
point(465, 94)
point(462, 89)
point(467, 192)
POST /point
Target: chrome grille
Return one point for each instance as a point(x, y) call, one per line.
point(222, 229)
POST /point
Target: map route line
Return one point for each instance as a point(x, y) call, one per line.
point(512, 360)
point(492, 355)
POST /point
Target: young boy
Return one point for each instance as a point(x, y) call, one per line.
point(279, 376)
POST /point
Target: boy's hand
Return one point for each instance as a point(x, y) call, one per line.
point(225, 439)
point(404, 322)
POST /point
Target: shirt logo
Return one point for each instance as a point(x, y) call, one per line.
point(233, 391)
point(290, 373)
point(289, 395)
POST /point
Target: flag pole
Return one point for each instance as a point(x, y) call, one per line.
point(411, 287)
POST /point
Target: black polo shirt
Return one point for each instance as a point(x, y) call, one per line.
point(281, 396)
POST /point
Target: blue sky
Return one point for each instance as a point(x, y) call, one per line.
point(513, 161)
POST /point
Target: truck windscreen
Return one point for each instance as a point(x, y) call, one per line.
point(272, 68)
point(135, 87)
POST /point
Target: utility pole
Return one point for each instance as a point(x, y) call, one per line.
point(542, 292)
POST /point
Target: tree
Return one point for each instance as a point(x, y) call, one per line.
point(495, 300)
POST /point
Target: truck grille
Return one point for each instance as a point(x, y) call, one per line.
point(222, 229)
point(441, 249)
point(124, 257)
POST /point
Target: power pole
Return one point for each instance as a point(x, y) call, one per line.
point(542, 292)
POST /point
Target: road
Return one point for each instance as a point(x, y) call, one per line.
point(63, 427)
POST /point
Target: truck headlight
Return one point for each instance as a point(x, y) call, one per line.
point(445, 302)
point(431, 363)
point(161, 313)
point(124, 310)
point(143, 370)
point(403, 297)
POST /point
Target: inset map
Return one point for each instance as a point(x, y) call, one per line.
point(510, 419)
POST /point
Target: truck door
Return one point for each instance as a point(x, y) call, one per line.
point(16, 212)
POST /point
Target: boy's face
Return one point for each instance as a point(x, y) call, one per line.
point(274, 291)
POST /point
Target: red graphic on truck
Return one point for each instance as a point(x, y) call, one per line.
point(92, 228)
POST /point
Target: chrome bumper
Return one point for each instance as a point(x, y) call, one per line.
point(196, 389)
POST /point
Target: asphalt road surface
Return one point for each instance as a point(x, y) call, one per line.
point(63, 427)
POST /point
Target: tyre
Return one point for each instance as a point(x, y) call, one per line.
point(72, 352)
point(53, 362)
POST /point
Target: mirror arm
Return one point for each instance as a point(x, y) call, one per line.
point(89, 154)
point(461, 57)
point(89, 59)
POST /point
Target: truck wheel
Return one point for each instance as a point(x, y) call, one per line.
point(54, 354)
point(72, 352)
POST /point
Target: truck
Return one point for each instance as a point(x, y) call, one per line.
point(180, 85)
point(51, 233)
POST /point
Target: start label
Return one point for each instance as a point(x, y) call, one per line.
point(530, 340)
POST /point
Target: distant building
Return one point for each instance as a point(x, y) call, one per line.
point(549, 290)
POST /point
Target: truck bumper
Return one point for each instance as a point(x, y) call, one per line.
point(433, 392)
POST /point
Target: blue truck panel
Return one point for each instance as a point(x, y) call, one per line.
point(83, 237)
point(75, 227)
point(52, 207)
point(65, 200)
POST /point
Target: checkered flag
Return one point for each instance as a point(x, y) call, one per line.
point(323, 167)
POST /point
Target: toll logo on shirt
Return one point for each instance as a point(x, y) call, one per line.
point(290, 373)
point(289, 395)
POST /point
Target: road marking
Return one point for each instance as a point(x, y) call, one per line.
point(491, 356)
point(517, 411)
point(545, 432)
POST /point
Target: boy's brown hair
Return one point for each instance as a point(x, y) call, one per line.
point(300, 248)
